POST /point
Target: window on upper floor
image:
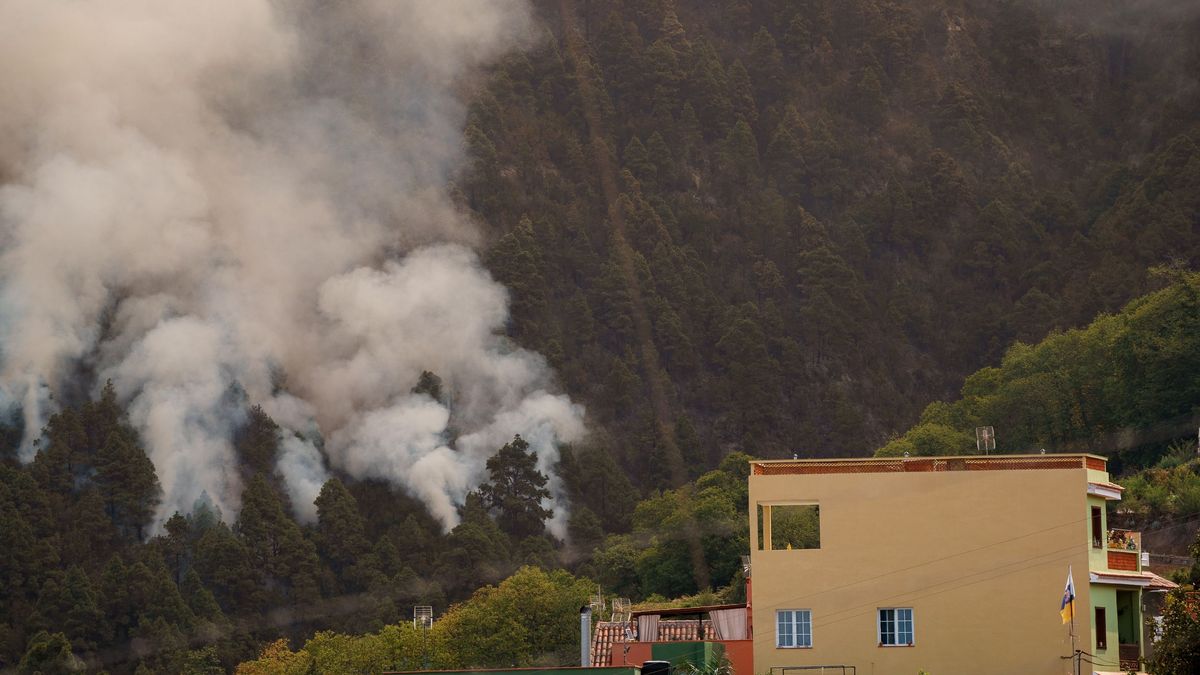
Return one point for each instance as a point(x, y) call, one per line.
point(789, 526)
point(793, 628)
point(1097, 527)
point(895, 626)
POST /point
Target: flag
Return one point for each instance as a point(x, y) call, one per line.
point(1067, 610)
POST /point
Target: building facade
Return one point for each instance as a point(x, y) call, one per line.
point(942, 565)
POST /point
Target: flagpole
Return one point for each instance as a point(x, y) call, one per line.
point(1074, 650)
point(1075, 655)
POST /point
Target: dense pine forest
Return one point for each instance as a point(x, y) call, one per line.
point(735, 228)
point(787, 226)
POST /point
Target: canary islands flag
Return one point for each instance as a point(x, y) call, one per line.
point(1068, 600)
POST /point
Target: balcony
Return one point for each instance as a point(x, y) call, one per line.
point(1124, 550)
point(1124, 540)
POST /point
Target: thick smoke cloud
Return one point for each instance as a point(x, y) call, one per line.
point(245, 201)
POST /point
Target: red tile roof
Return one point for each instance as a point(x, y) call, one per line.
point(609, 635)
point(1158, 583)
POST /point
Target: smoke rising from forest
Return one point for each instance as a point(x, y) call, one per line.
point(245, 202)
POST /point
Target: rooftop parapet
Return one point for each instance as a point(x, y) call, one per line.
point(784, 467)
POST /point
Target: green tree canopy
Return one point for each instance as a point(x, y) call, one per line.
point(515, 489)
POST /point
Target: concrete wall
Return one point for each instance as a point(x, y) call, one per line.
point(980, 556)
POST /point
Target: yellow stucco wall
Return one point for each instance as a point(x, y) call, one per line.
point(980, 556)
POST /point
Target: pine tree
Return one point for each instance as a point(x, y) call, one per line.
point(637, 160)
point(91, 535)
point(61, 463)
point(69, 603)
point(739, 158)
point(674, 34)
point(661, 156)
point(741, 94)
point(257, 443)
point(785, 161)
point(430, 385)
point(476, 550)
point(49, 653)
point(340, 527)
point(765, 65)
point(199, 599)
point(152, 595)
point(516, 488)
point(867, 101)
point(104, 417)
point(709, 91)
point(126, 479)
point(225, 566)
point(797, 40)
point(275, 543)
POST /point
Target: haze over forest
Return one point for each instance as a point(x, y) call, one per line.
point(279, 280)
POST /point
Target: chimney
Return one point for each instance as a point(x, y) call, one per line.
point(585, 636)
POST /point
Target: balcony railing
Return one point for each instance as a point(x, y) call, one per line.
point(1124, 540)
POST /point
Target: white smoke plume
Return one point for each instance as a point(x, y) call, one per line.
point(239, 200)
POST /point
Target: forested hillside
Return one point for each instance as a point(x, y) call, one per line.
point(88, 582)
point(733, 228)
point(824, 214)
point(1126, 386)
point(1124, 382)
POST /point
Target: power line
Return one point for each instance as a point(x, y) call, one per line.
point(1075, 522)
point(1024, 563)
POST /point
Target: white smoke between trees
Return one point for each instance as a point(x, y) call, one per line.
point(237, 202)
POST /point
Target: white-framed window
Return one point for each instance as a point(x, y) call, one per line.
point(793, 628)
point(895, 626)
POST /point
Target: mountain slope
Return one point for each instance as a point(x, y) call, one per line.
point(827, 212)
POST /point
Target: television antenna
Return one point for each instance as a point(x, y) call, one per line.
point(597, 603)
point(622, 610)
point(423, 616)
point(985, 439)
point(423, 619)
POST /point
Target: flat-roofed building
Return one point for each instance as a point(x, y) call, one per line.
point(941, 564)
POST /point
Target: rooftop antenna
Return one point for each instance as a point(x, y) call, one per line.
point(622, 610)
point(423, 619)
point(423, 616)
point(985, 439)
point(597, 603)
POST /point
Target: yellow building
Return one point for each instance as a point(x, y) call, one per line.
point(948, 565)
